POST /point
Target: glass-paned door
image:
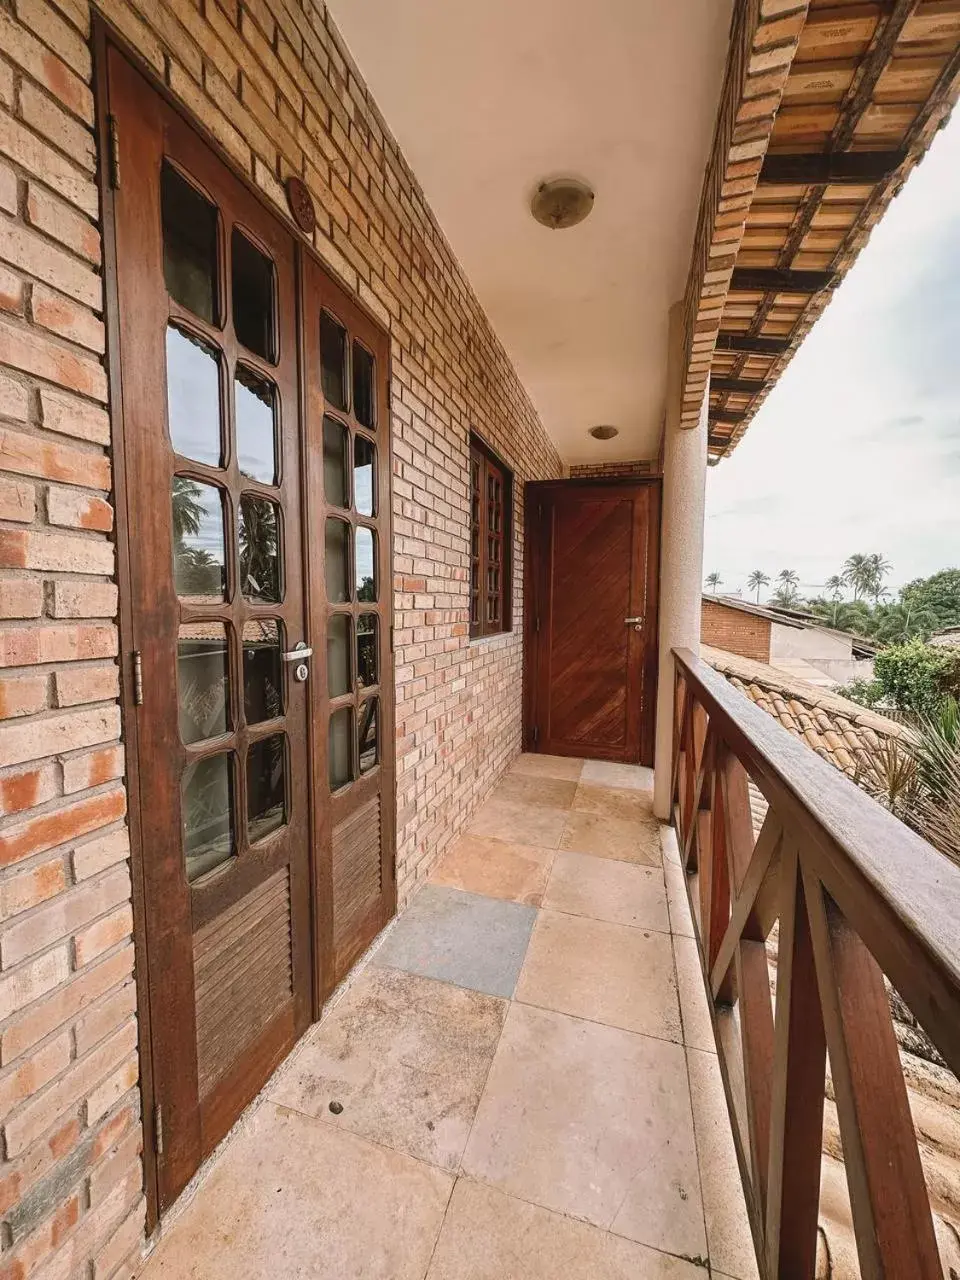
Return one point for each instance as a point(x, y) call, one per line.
point(345, 373)
point(218, 689)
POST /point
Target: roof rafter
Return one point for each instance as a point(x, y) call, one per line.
point(779, 271)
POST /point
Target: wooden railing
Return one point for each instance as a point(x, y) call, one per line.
point(857, 895)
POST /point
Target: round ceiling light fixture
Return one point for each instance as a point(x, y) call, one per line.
point(603, 432)
point(561, 203)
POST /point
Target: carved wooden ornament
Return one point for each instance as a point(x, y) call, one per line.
point(301, 204)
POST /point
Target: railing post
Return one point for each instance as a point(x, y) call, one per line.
point(796, 1108)
point(888, 1195)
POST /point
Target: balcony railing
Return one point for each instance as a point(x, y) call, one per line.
point(857, 896)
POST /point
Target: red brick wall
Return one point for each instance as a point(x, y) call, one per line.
point(605, 470)
point(735, 631)
point(272, 82)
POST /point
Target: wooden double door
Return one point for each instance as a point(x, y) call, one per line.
point(590, 653)
point(254, 529)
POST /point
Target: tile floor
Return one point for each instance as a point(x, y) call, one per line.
point(525, 1068)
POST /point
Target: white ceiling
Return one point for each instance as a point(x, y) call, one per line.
point(489, 97)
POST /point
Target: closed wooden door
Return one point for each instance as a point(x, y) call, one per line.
point(591, 619)
point(215, 607)
point(348, 450)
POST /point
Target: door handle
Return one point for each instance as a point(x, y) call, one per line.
point(636, 623)
point(298, 654)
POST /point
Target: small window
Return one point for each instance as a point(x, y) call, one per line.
point(254, 298)
point(189, 245)
point(491, 528)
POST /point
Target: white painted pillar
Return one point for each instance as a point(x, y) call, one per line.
point(681, 552)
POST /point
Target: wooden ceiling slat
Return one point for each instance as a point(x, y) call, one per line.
point(748, 279)
point(856, 167)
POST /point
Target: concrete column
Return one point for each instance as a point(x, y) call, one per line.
point(681, 551)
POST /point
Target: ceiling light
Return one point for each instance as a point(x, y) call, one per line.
point(561, 202)
point(603, 432)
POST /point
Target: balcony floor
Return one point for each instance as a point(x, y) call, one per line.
point(526, 1072)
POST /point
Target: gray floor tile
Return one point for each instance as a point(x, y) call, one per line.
point(462, 938)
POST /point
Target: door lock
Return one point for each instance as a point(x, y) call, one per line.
point(636, 623)
point(297, 654)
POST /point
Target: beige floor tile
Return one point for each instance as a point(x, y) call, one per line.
point(496, 868)
point(697, 1027)
point(488, 1235)
point(624, 839)
point(616, 802)
point(605, 972)
point(669, 844)
point(519, 822)
point(542, 766)
point(607, 774)
point(681, 922)
point(557, 793)
point(593, 1122)
point(728, 1230)
point(603, 889)
point(406, 1056)
point(291, 1197)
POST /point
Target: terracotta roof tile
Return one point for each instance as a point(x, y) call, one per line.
point(839, 730)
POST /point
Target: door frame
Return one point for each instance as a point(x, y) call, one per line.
point(534, 560)
point(103, 35)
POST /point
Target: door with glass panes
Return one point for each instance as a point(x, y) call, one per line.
point(215, 622)
point(348, 477)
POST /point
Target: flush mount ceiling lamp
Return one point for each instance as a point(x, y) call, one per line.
point(603, 432)
point(561, 203)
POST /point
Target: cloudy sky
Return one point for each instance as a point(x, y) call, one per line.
point(858, 446)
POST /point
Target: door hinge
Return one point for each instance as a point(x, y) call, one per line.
point(536, 625)
point(113, 145)
point(535, 735)
point(137, 679)
point(158, 1129)
point(391, 638)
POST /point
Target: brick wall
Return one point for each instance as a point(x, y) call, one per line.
point(271, 81)
point(735, 631)
point(608, 470)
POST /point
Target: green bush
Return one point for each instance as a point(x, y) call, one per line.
point(917, 677)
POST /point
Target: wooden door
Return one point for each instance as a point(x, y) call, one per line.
point(215, 605)
point(346, 360)
point(591, 619)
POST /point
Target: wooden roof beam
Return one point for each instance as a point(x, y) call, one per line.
point(839, 167)
point(777, 280)
point(726, 417)
point(754, 346)
point(741, 386)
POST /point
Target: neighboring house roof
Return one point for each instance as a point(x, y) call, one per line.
point(862, 648)
point(836, 728)
point(757, 610)
point(946, 638)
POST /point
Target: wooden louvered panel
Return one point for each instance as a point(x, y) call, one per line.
point(243, 975)
point(356, 882)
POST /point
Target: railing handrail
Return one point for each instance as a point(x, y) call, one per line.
point(900, 894)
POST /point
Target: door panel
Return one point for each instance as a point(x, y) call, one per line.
point(592, 564)
point(207, 317)
point(348, 459)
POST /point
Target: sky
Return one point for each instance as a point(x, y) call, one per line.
point(857, 448)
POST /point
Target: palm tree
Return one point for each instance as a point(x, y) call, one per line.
point(756, 580)
point(879, 568)
point(858, 574)
point(713, 581)
point(898, 623)
point(835, 585)
point(786, 594)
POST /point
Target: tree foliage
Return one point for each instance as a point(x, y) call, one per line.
point(914, 677)
point(940, 594)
